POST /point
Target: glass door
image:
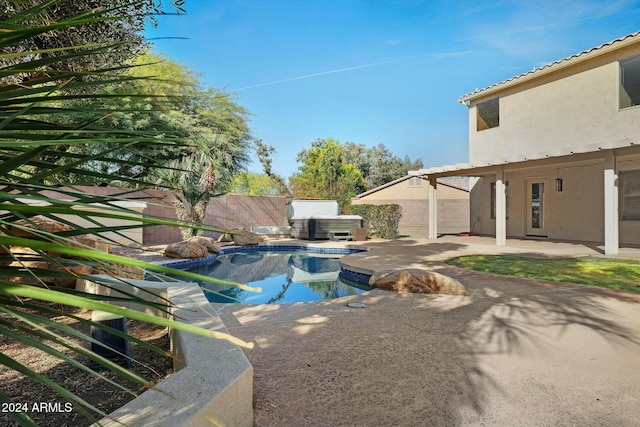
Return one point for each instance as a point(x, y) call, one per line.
point(536, 207)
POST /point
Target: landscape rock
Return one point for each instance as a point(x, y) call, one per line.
point(32, 227)
point(29, 279)
point(207, 242)
point(20, 228)
point(416, 281)
point(31, 259)
point(84, 242)
point(246, 238)
point(62, 281)
point(185, 250)
point(70, 282)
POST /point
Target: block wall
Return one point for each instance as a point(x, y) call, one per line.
point(230, 211)
point(453, 215)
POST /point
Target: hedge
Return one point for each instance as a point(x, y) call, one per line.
point(380, 220)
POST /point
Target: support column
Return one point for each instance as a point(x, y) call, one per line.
point(611, 232)
point(433, 208)
point(501, 209)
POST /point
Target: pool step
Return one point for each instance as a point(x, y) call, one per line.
point(341, 236)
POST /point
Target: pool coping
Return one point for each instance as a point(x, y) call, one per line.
point(353, 274)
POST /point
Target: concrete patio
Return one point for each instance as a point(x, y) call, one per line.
point(516, 352)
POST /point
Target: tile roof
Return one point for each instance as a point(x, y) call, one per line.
point(552, 65)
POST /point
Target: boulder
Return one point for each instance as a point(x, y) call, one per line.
point(92, 242)
point(207, 242)
point(31, 228)
point(246, 238)
point(185, 250)
point(60, 281)
point(21, 227)
point(70, 282)
point(28, 279)
point(416, 281)
point(122, 271)
point(84, 242)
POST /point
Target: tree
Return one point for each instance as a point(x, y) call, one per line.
point(335, 170)
point(264, 152)
point(194, 184)
point(162, 95)
point(120, 26)
point(213, 126)
point(255, 184)
point(324, 174)
point(378, 164)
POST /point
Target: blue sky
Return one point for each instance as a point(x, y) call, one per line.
point(372, 71)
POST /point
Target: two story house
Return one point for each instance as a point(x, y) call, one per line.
point(556, 151)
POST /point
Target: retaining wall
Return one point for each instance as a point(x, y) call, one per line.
point(213, 382)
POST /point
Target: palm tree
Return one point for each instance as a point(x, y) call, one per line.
point(194, 182)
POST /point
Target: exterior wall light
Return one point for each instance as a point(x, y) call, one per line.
point(558, 184)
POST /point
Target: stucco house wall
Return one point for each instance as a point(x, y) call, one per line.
point(570, 123)
point(575, 213)
point(575, 107)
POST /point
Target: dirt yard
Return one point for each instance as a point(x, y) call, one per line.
point(104, 396)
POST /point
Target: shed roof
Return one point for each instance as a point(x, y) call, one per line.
point(453, 184)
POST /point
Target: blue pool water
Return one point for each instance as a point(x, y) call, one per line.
point(284, 276)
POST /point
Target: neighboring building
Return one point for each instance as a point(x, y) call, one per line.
point(412, 194)
point(557, 150)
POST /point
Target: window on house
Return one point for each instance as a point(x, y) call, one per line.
point(630, 82)
point(488, 114)
point(493, 199)
point(629, 195)
point(415, 181)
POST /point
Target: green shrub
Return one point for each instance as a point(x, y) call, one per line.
point(380, 220)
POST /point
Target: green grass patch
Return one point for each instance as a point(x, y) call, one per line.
point(604, 272)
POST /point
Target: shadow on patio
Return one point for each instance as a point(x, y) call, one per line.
point(516, 352)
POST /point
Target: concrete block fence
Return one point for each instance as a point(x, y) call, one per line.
point(230, 211)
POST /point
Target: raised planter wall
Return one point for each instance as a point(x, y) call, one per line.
point(213, 382)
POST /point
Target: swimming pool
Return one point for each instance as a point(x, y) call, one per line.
point(285, 276)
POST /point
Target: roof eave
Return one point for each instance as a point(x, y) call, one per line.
point(553, 67)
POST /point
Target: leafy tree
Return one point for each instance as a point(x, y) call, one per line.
point(339, 171)
point(378, 164)
point(254, 184)
point(161, 95)
point(120, 26)
point(165, 96)
point(324, 174)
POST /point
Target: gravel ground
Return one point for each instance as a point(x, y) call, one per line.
point(93, 389)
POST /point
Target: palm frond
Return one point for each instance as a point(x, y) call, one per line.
point(48, 108)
